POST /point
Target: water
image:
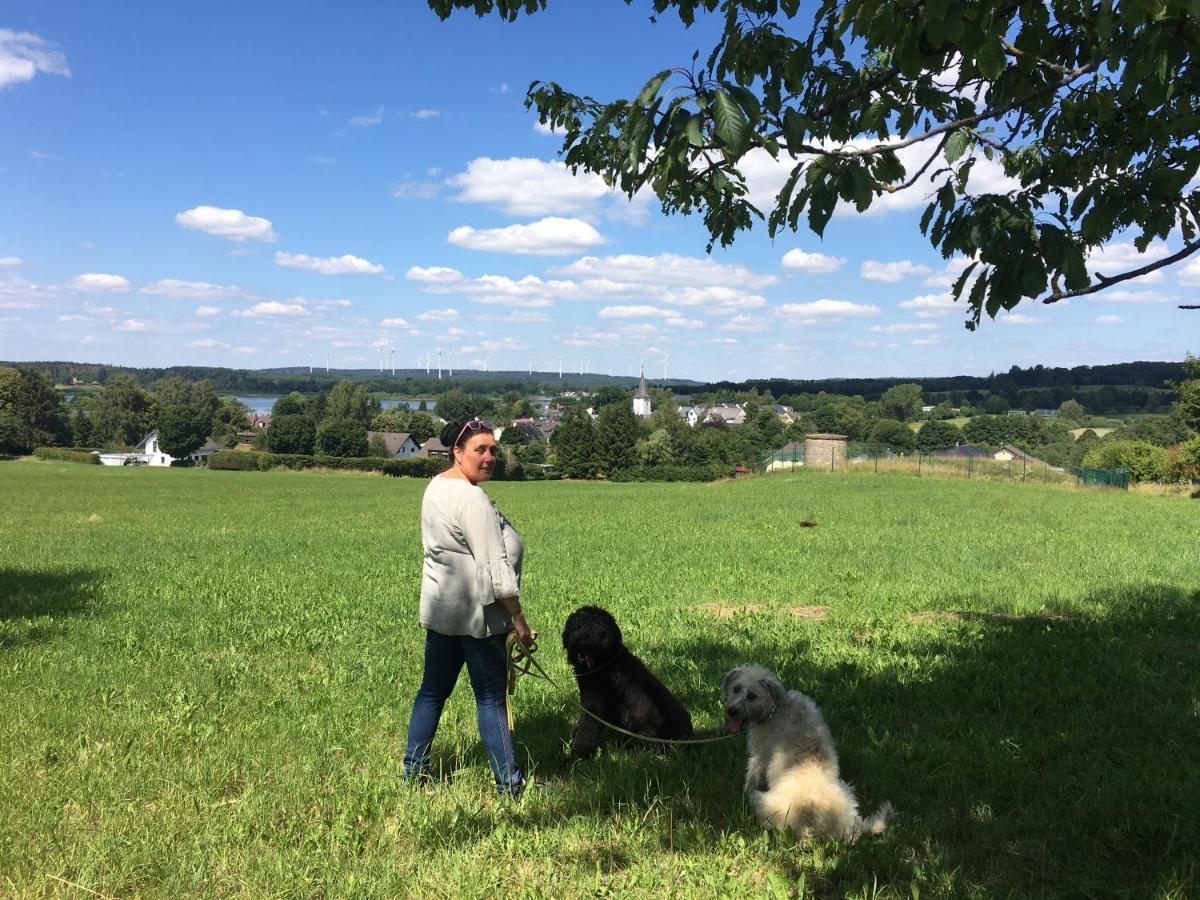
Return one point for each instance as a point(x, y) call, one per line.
point(262, 405)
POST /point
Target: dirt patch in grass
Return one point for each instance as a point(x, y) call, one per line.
point(964, 615)
point(728, 610)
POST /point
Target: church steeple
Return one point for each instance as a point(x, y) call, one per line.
point(641, 397)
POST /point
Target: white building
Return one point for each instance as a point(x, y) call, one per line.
point(641, 398)
point(148, 453)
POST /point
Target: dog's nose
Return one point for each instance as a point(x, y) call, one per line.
point(731, 711)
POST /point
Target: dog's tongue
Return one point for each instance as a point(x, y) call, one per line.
point(733, 726)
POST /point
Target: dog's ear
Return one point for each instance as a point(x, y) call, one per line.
point(729, 676)
point(774, 687)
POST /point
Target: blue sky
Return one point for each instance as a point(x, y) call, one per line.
point(261, 184)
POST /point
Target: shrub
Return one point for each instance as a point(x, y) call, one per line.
point(1145, 461)
point(291, 434)
point(234, 460)
point(296, 461)
point(414, 468)
point(672, 472)
point(342, 437)
point(62, 454)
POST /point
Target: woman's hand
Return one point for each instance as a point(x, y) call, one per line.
point(521, 627)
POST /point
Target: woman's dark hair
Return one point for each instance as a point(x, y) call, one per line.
point(456, 433)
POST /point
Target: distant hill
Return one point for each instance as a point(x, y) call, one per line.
point(1116, 389)
point(298, 378)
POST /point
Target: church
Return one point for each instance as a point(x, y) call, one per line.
point(641, 398)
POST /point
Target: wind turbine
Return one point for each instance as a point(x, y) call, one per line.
point(392, 357)
point(381, 360)
point(666, 359)
point(439, 357)
point(309, 362)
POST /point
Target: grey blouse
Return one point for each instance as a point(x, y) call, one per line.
point(472, 560)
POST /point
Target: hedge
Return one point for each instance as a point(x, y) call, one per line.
point(62, 454)
point(672, 472)
point(234, 460)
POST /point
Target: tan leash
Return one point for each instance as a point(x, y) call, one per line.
point(521, 662)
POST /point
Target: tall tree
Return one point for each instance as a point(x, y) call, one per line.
point(291, 434)
point(1088, 110)
point(182, 428)
point(574, 442)
point(1188, 402)
point(902, 402)
point(351, 401)
point(124, 411)
point(617, 434)
point(31, 413)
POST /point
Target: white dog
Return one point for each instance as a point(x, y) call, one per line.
point(792, 776)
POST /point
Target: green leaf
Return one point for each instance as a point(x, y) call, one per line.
point(793, 128)
point(695, 131)
point(957, 145)
point(650, 91)
point(990, 59)
point(731, 126)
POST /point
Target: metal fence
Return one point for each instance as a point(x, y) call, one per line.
point(872, 459)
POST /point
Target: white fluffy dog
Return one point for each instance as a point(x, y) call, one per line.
point(792, 776)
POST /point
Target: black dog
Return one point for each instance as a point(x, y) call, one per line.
point(616, 686)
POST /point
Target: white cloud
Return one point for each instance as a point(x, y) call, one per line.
point(745, 323)
point(904, 328)
point(815, 263)
point(725, 342)
point(328, 265)
point(426, 114)
point(948, 274)
point(71, 318)
point(1017, 319)
point(23, 55)
point(1109, 320)
point(930, 306)
point(10, 262)
point(231, 224)
point(1189, 273)
point(193, 290)
point(294, 307)
point(633, 312)
point(132, 325)
point(244, 350)
point(439, 315)
point(209, 344)
point(544, 128)
point(828, 310)
point(1138, 298)
point(552, 236)
point(926, 341)
point(501, 88)
point(666, 269)
point(436, 275)
point(99, 282)
point(38, 154)
point(713, 299)
point(1113, 259)
point(523, 316)
point(208, 310)
point(686, 324)
point(367, 121)
point(527, 187)
point(395, 323)
point(333, 304)
point(873, 270)
point(416, 188)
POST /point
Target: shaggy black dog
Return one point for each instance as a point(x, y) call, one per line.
point(616, 686)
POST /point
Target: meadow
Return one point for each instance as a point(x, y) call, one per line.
point(205, 682)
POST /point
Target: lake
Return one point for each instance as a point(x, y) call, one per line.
point(262, 405)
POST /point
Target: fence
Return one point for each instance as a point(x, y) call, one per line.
point(913, 462)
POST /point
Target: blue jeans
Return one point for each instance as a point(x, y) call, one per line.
point(487, 666)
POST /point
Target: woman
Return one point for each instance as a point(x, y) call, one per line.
point(470, 586)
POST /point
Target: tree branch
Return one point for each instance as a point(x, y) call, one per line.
point(1103, 282)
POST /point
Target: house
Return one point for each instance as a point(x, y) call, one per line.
point(693, 415)
point(786, 414)
point(1008, 452)
point(260, 421)
point(434, 449)
point(529, 430)
point(964, 451)
point(148, 453)
point(400, 444)
point(729, 415)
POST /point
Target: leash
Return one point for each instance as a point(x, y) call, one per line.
point(521, 662)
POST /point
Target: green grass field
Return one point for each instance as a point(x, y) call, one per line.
point(205, 681)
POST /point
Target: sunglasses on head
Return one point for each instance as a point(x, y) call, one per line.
point(473, 426)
